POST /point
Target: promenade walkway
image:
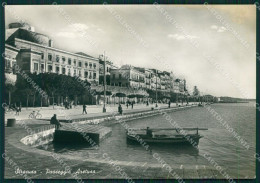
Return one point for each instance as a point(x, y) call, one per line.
point(94, 111)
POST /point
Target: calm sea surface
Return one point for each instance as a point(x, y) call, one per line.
point(220, 144)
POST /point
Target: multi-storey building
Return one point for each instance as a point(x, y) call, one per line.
point(180, 86)
point(127, 76)
point(155, 79)
point(37, 55)
point(148, 75)
point(109, 66)
point(163, 81)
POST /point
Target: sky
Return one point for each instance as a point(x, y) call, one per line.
point(138, 34)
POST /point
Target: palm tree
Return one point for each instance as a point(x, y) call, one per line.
point(196, 92)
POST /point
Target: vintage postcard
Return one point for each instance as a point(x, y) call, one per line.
point(152, 91)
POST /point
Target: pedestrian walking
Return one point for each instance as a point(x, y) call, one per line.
point(17, 111)
point(84, 109)
point(149, 132)
point(132, 104)
point(120, 110)
point(13, 107)
point(55, 121)
point(169, 104)
point(147, 103)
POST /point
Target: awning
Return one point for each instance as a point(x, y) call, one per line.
point(119, 95)
point(131, 96)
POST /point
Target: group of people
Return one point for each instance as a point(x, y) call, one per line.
point(128, 103)
point(57, 124)
point(67, 105)
point(15, 108)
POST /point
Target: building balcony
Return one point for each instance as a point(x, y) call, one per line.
point(135, 80)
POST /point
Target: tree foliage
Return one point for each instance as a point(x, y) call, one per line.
point(53, 84)
point(196, 91)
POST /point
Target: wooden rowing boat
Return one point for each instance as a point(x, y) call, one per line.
point(165, 135)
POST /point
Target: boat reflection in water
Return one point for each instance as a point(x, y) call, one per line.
point(174, 149)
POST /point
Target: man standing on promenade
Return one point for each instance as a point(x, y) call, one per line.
point(169, 104)
point(132, 104)
point(66, 105)
point(84, 108)
point(55, 122)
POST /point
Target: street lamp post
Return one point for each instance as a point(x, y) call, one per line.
point(104, 107)
point(177, 98)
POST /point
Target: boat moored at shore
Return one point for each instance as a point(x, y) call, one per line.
point(165, 135)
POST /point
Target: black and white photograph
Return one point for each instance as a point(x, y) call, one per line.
point(128, 91)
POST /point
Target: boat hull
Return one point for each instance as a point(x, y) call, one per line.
point(191, 140)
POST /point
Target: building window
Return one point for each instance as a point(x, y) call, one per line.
point(63, 59)
point(90, 75)
point(69, 73)
point(57, 58)
point(114, 76)
point(35, 67)
point(57, 70)
point(86, 74)
point(107, 69)
point(86, 64)
point(75, 62)
point(94, 65)
point(79, 73)
point(90, 65)
point(94, 75)
point(14, 68)
point(7, 63)
point(69, 61)
point(42, 56)
point(50, 57)
point(120, 76)
point(42, 67)
point(80, 64)
point(75, 72)
point(63, 70)
point(49, 68)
